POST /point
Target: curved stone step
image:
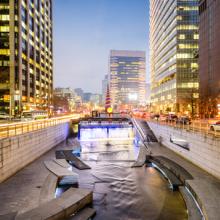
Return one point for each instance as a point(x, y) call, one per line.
point(172, 178)
point(60, 208)
point(48, 189)
point(62, 162)
point(192, 208)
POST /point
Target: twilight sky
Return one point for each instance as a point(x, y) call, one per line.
point(86, 30)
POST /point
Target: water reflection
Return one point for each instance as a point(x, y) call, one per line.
point(106, 133)
point(122, 192)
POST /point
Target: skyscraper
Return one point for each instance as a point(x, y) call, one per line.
point(26, 55)
point(104, 88)
point(209, 57)
point(174, 55)
point(127, 77)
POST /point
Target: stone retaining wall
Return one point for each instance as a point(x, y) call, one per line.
point(204, 151)
point(18, 151)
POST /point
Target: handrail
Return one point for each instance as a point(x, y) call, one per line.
point(194, 127)
point(18, 128)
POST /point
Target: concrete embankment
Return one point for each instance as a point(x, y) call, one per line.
point(18, 151)
point(185, 162)
point(202, 150)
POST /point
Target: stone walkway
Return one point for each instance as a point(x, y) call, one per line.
point(21, 192)
point(205, 187)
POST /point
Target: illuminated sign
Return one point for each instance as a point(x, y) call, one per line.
point(109, 110)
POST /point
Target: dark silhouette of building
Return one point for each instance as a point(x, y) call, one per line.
point(209, 57)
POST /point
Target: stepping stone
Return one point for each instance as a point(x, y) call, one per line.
point(76, 162)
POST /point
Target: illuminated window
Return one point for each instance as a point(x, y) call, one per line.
point(194, 65)
point(182, 36)
point(4, 28)
point(4, 17)
point(196, 36)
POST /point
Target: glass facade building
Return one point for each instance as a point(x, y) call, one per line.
point(174, 55)
point(26, 55)
point(127, 76)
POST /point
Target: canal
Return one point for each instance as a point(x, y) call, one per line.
point(122, 192)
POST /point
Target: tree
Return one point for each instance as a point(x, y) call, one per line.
point(208, 107)
point(60, 103)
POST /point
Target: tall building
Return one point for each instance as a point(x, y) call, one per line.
point(79, 92)
point(209, 57)
point(127, 77)
point(104, 88)
point(87, 96)
point(26, 55)
point(148, 93)
point(174, 55)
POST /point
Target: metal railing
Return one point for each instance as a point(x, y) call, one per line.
point(13, 129)
point(195, 127)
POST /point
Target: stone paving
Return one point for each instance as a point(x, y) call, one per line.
point(21, 192)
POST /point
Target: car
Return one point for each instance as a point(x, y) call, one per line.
point(171, 118)
point(185, 120)
point(163, 117)
point(4, 116)
point(215, 126)
point(155, 116)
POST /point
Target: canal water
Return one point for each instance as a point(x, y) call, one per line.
point(122, 192)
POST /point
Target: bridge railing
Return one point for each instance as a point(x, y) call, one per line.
point(13, 129)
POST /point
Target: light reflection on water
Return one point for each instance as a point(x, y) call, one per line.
point(104, 133)
point(121, 192)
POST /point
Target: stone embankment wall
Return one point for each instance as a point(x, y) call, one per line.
point(204, 151)
point(18, 151)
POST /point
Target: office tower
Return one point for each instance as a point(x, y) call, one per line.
point(79, 92)
point(148, 93)
point(174, 56)
point(26, 55)
point(87, 96)
point(127, 78)
point(209, 57)
point(104, 88)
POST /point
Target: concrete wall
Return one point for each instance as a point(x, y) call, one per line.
point(204, 151)
point(16, 152)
